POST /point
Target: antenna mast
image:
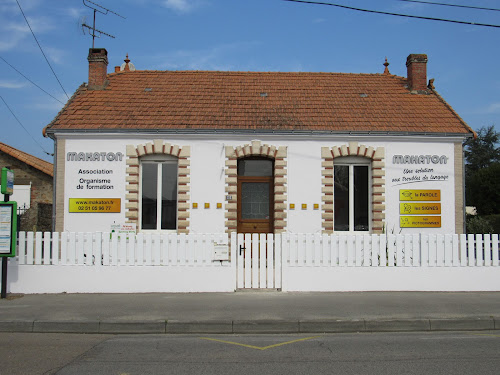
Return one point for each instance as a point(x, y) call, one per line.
point(97, 8)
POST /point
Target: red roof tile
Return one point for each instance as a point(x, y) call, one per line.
point(42, 165)
point(255, 100)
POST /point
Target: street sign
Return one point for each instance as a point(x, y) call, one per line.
point(7, 181)
point(8, 229)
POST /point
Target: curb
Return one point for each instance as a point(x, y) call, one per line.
point(249, 326)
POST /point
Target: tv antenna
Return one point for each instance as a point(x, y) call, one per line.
point(91, 29)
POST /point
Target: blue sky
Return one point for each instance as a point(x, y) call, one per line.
point(242, 35)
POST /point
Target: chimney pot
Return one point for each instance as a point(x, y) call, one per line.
point(416, 65)
point(98, 68)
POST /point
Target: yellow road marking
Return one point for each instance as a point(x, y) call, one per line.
point(260, 347)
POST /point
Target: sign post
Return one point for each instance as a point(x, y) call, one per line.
point(8, 225)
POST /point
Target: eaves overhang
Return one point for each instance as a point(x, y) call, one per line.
point(55, 132)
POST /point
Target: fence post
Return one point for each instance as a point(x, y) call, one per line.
point(479, 250)
point(55, 248)
point(271, 282)
point(367, 249)
point(382, 250)
point(495, 257)
point(456, 257)
point(98, 249)
point(233, 256)
point(262, 260)
point(471, 250)
point(487, 250)
point(280, 259)
point(21, 254)
point(88, 249)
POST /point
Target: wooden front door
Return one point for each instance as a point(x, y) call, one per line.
point(255, 196)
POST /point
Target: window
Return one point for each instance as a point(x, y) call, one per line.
point(158, 192)
point(351, 194)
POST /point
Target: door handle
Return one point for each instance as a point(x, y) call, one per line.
point(242, 248)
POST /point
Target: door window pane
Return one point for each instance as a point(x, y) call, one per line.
point(149, 195)
point(255, 200)
point(341, 197)
point(169, 196)
point(255, 167)
point(361, 198)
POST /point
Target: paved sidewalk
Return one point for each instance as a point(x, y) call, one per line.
point(250, 312)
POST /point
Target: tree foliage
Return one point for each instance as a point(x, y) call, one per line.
point(483, 190)
point(482, 151)
point(482, 171)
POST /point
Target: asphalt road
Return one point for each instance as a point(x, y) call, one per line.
point(375, 353)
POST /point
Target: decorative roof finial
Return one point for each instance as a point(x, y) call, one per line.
point(127, 66)
point(386, 64)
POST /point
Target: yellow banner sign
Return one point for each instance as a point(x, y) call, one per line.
point(420, 221)
point(419, 208)
point(96, 205)
point(419, 195)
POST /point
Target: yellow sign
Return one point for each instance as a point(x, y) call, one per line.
point(419, 195)
point(420, 221)
point(420, 208)
point(96, 205)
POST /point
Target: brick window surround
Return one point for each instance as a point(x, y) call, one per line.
point(134, 153)
point(256, 148)
point(377, 157)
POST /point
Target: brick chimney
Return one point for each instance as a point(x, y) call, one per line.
point(98, 68)
point(417, 72)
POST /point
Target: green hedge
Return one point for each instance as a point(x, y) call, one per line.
point(494, 221)
point(483, 224)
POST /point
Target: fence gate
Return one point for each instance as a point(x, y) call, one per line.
point(258, 261)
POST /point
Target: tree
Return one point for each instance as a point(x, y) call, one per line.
point(483, 190)
point(482, 171)
point(482, 151)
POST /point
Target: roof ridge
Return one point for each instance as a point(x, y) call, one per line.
point(135, 72)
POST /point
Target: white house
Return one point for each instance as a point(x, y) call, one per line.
point(265, 152)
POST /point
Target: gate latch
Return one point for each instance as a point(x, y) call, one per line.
point(242, 248)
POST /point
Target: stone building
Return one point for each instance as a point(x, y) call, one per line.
point(33, 187)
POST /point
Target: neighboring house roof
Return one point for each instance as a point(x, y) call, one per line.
point(42, 165)
point(257, 101)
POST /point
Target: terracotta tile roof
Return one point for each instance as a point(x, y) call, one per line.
point(42, 165)
point(148, 100)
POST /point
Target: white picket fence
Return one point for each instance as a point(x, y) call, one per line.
point(103, 262)
point(413, 250)
point(112, 263)
point(110, 249)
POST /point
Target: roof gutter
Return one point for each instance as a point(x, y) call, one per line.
point(52, 133)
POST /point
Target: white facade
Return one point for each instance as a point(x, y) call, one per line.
point(431, 165)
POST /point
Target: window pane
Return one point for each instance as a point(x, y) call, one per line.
point(341, 197)
point(149, 195)
point(255, 200)
point(361, 198)
point(169, 196)
point(255, 167)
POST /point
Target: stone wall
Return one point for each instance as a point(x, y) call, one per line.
point(24, 174)
point(39, 216)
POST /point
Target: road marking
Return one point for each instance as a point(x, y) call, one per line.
point(484, 334)
point(259, 347)
point(460, 336)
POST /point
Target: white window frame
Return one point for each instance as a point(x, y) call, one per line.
point(159, 160)
point(351, 162)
